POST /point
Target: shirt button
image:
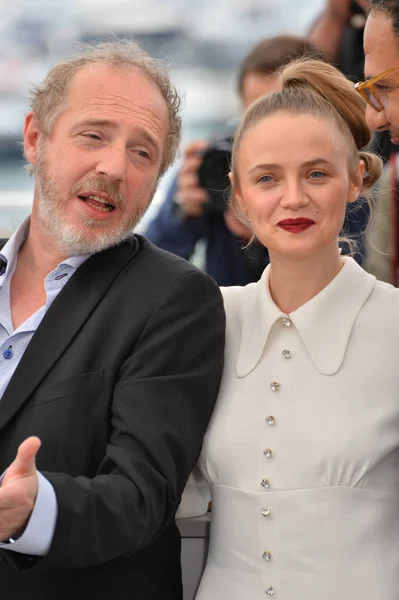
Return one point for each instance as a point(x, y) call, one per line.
point(274, 386)
point(266, 512)
point(8, 353)
point(265, 483)
point(270, 591)
point(286, 322)
point(268, 453)
point(267, 556)
point(270, 420)
point(286, 354)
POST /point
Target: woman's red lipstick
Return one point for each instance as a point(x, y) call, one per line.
point(295, 225)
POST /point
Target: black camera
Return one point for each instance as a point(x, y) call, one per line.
point(213, 174)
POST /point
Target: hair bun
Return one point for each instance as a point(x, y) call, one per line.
point(373, 169)
point(334, 87)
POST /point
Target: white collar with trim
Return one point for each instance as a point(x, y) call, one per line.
point(324, 323)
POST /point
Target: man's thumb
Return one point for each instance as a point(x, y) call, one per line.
point(24, 463)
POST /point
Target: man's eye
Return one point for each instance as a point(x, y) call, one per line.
point(143, 153)
point(92, 136)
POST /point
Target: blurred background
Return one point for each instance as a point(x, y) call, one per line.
point(202, 44)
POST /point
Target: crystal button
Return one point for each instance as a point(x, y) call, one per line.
point(270, 591)
point(286, 322)
point(265, 483)
point(286, 354)
point(268, 453)
point(270, 420)
point(266, 512)
point(267, 556)
point(274, 386)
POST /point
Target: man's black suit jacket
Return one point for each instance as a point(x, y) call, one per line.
point(118, 382)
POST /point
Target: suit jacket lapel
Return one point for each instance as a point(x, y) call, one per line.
point(65, 317)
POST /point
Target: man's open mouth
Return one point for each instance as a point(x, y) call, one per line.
point(98, 203)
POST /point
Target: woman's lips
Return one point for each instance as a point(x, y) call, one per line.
point(295, 225)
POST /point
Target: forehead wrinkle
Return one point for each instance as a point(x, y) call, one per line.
point(115, 103)
point(138, 114)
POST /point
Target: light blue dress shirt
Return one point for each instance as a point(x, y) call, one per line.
point(39, 532)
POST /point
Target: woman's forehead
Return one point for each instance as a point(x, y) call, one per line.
point(286, 137)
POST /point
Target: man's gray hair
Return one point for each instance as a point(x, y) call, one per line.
point(49, 98)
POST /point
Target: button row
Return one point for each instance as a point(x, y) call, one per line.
point(268, 453)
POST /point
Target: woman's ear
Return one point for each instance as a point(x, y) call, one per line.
point(236, 197)
point(357, 182)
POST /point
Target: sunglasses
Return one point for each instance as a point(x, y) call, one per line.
point(370, 93)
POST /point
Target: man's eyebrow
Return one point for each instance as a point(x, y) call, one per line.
point(96, 123)
point(382, 81)
point(112, 125)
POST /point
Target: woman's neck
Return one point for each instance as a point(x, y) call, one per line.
point(293, 281)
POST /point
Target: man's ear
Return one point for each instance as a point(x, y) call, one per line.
point(31, 137)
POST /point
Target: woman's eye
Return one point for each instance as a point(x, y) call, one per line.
point(317, 175)
point(265, 179)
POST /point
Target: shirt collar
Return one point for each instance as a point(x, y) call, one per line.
point(324, 323)
point(9, 252)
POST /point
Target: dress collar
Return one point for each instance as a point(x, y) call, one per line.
point(324, 323)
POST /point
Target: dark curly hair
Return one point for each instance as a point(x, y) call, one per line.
point(389, 7)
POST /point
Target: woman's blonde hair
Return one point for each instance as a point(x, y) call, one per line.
point(316, 88)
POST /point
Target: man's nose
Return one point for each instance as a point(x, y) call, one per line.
point(377, 121)
point(112, 163)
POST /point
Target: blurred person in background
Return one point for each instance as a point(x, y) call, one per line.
point(93, 320)
point(303, 466)
point(196, 207)
point(380, 92)
point(339, 33)
point(381, 48)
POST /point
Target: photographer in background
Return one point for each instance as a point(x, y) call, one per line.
point(196, 207)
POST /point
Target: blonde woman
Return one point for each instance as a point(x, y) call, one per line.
point(302, 452)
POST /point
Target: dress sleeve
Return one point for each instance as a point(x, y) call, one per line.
point(196, 496)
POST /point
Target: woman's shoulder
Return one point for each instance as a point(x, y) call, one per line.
point(237, 300)
point(381, 310)
point(385, 294)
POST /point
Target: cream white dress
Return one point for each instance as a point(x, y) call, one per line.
point(302, 451)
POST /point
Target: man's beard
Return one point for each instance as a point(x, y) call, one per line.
point(94, 235)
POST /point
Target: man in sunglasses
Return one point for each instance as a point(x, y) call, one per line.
point(381, 47)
